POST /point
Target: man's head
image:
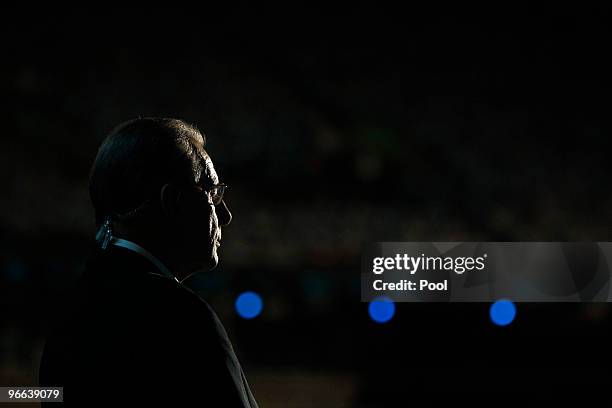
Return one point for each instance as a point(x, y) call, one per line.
point(154, 179)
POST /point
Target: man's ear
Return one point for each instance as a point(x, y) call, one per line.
point(169, 199)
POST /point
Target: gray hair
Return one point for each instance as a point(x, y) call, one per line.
point(137, 158)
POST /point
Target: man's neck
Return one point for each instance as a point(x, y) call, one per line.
point(134, 247)
point(153, 252)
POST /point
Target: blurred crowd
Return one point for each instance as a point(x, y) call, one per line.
point(330, 136)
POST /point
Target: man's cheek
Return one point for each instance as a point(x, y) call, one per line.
point(214, 221)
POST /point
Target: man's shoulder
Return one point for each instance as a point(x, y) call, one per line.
point(198, 312)
point(119, 289)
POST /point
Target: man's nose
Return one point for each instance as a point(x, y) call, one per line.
point(223, 214)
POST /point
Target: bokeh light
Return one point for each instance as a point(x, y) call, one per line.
point(381, 310)
point(502, 312)
point(249, 305)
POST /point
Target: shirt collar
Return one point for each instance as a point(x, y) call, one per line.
point(132, 246)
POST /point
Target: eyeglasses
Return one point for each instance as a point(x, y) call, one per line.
point(215, 192)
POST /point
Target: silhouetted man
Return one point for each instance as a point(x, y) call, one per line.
point(133, 330)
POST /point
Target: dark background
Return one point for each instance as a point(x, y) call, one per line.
point(334, 127)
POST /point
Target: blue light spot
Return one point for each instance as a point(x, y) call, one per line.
point(502, 312)
point(381, 310)
point(249, 305)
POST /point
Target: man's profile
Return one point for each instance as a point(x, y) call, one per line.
point(131, 325)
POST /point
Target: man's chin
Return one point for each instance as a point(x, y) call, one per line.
point(199, 267)
point(214, 261)
point(208, 264)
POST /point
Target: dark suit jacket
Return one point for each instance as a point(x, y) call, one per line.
point(130, 334)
